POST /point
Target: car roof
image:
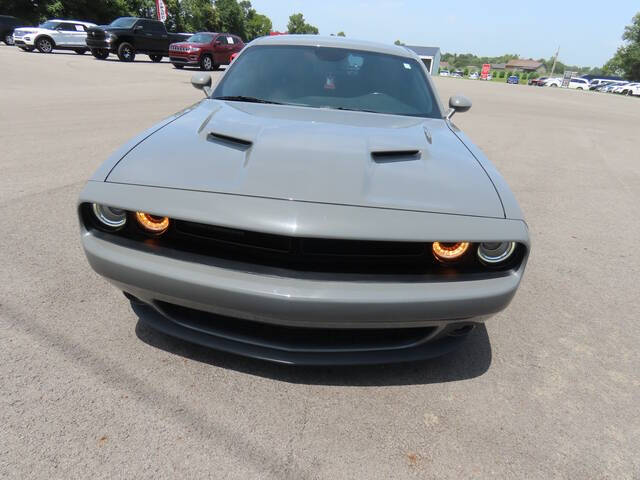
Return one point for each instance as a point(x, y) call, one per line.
point(334, 42)
point(88, 24)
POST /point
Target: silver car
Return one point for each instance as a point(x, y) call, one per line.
point(317, 207)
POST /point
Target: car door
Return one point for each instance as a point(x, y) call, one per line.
point(142, 35)
point(159, 39)
point(63, 34)
point(78, 37)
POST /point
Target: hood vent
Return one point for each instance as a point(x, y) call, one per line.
point(395, 156)
point(228, 141)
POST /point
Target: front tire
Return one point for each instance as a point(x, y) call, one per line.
point(44, 45)
point(8, 39)
point(100, 53)
point(155, 58)
point(80, 51)
point(206, 63)
point(126, 52)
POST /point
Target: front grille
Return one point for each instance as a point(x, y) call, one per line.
point(178, 49)
point(304, 254)
point(97, 34)
point(300, 339)
point(301, 254)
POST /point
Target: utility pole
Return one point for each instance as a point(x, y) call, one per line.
point(555, 59)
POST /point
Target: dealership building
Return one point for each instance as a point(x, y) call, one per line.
point(430, 56)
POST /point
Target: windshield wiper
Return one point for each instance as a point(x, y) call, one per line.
point(242, 98)
point(351, 109)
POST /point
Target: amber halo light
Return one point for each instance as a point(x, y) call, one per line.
point(449, 252)
point(152, 223)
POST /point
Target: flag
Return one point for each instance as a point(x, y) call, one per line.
point(161, 10)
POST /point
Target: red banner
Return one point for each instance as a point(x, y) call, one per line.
point(486, 68)
point(161, 10)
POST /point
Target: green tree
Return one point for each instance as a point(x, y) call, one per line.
point(501, 74)
point(465, 72)
point(231, 17)
point(298, 25)
point(255, 24)
point(258, 26)
point(626, 60)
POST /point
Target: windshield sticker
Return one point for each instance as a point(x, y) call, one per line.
point(330, 83)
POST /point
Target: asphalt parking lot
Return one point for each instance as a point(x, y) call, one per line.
point(549, 389)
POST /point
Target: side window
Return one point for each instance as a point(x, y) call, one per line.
point(156, 27)
point(144, 24)
point(67, 27)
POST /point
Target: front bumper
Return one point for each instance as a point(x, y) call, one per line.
point(100, 44)
point(23, 41)
point(179, 58)
point(268, 296)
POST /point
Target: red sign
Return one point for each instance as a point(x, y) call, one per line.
point(161, 10)
point(486, 68)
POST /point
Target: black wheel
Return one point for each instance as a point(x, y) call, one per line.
point(8, 39)
point(206, 63)
point(80, 51)
point(178, 66)
point(44, 45)
point(155, 58)
point(126, 52)
point(100, 53)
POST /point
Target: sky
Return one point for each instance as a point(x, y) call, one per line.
point(587, 32)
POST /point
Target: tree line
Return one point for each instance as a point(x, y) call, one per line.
point(232, 16)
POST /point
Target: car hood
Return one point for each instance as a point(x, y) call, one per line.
point(30, 30)
point(314, 155)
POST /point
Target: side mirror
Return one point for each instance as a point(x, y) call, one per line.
point(202, 81)
point(458, 103)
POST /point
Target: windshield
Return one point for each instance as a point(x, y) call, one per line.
point(123, 22)
point(324, 77)
point(200, 38)
point(49, 25)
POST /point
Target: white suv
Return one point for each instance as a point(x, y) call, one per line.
point(54, 35)
point(575, 83)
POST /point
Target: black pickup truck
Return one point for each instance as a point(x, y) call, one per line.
point(126, 36)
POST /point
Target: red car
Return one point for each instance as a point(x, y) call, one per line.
point(206, 50)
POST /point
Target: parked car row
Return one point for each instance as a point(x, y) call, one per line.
point(125, 37)
point(620, 87)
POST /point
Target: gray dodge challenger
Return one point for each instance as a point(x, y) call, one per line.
point(317, 207)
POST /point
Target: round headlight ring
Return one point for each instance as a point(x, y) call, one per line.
point(110, 217)
point(493, 253)
point(152, 224)
point(449, 252)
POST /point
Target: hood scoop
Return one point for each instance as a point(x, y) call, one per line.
point(229, 141)
point(385, 156)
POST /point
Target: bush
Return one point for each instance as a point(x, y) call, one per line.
point(502, 74)
point(465, 72)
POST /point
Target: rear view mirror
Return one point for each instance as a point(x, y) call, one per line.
point(458, 103)
point(202, 81)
